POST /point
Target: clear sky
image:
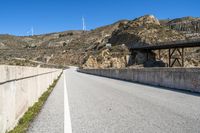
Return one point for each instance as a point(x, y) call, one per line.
point(18, 16)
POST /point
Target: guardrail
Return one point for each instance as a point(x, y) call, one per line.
point(25, 78)
point(20, 88)
point(175, 78)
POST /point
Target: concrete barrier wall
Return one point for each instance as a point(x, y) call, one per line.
point(177, 78)
point(20, 88)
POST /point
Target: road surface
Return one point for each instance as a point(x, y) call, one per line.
point(51, 117)
point(102, 105)
point(95, 104)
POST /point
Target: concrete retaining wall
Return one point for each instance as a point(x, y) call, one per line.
point(20, 88)
point(177, 78)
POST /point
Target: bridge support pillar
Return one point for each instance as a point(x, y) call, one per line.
point(176, 55)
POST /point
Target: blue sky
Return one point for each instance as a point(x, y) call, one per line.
point(18, 16)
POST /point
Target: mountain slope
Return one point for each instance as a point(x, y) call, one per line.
point(103, 47)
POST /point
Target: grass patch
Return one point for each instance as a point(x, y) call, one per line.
point(33, 111)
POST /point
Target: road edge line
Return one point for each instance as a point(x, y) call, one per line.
point(67, 119)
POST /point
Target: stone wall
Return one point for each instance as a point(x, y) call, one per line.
point(176, 78)
point(20, 88)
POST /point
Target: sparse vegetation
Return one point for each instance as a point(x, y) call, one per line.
point(75, 47)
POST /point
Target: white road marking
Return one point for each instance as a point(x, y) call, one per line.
point(67, 120)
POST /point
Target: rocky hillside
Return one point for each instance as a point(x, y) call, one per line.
point(145, 30)
point(62, 48)
point(104, 47)
point(188, 25)
point(148, 30)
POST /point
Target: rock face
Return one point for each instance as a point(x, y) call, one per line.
point(144, 31)
point(189, 26)
point(140, 57)
point(107, 59)
point(2, 46)
point(104, 47)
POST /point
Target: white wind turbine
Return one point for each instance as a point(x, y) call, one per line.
point(84, 25)
point(31, 31)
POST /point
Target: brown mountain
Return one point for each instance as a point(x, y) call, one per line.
point(102, 47)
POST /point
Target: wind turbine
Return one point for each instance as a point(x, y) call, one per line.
point(31, 31)
point(84, 25)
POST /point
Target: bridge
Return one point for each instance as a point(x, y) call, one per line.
point(172, 47)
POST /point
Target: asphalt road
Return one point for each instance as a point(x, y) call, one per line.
point(51, 117)
point(102, 105)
